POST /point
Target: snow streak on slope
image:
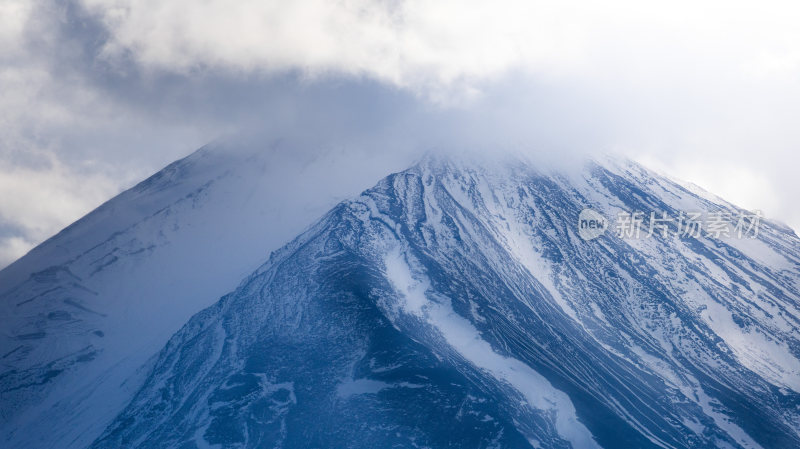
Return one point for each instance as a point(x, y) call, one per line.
point(457, 295)
point(462, 336)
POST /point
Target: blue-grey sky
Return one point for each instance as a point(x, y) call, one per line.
point(97, 94)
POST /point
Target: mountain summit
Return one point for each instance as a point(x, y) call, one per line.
point(454, 304)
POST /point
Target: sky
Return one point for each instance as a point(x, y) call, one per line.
point(95, 95)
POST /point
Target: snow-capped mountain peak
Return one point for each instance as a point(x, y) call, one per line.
point(456, 304)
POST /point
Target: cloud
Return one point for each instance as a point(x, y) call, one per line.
point(421, 44)
point(414, 44)
point(13, 17)
point(96, 94)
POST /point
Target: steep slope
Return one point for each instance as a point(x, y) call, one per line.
point(84, 311)
point(455, 305)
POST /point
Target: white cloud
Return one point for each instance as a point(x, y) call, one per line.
point(419, 43)
point(408, 43)
point(39, 192)
point(707, 91)
point(14, 16)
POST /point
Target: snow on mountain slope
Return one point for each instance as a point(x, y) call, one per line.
point(83, 312)
point(454, 304)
